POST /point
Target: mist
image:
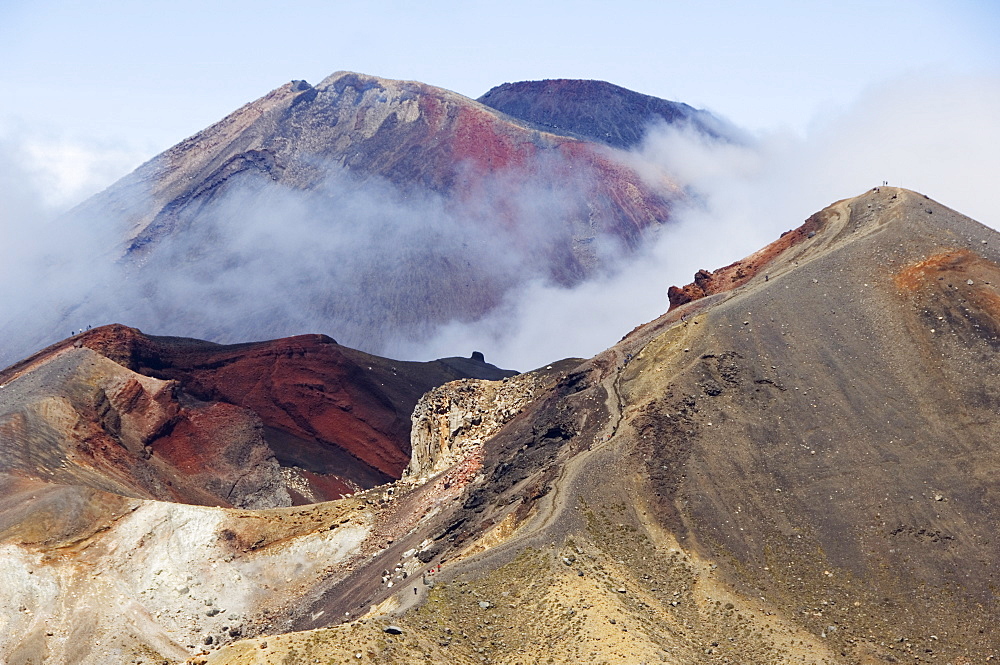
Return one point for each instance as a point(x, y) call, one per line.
point(413, 274)
point(374, 265)
point(934, 134)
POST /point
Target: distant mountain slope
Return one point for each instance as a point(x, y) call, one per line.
point(412, 134)
point(263, 424)
point(594, 110)
point(372, 209)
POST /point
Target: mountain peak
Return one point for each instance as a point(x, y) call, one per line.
point(595, 110)
point(449, 181)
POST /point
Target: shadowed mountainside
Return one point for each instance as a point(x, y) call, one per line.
point(794, 466)
point(594, 110)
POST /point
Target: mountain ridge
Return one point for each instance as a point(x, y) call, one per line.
point(796, 467)
point(259, 424)
point(595, 110)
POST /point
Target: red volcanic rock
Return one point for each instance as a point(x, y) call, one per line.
point(707, 283)
point(295, 420)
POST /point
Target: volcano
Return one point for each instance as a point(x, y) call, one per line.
point(377, 210)
point(596, 110)
point(796, 463)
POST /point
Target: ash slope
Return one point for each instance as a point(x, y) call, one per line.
point(256, 425)
point(795, 466)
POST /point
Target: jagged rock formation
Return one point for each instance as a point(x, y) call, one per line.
point(259, 425)
point(795, 468)
point(594, 110)
point(454, 420)
point(707, 282)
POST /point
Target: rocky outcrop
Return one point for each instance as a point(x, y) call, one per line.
point(738, 273)
point(454, 420)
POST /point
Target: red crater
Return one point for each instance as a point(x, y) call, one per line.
point(246, 424)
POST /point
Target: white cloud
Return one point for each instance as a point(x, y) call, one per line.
point(66, 172)
point(277, 262)
point(934, 134)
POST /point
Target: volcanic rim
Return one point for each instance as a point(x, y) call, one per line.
point(573, 526)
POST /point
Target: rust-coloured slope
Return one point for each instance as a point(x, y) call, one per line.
point(270, 423)
point(738, 273)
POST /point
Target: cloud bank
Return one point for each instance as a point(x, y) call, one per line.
point(934, 134)
point(365, 263)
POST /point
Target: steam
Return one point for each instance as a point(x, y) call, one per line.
point(378, 267)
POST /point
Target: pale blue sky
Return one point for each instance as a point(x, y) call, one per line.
point(147, 74)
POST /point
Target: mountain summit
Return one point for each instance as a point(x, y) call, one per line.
point(378, 210)
point(413, 135)
point(594, 110)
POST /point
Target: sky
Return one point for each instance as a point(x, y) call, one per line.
point(835, 96)
point(94, 88)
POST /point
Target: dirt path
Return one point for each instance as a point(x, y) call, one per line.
point(550, 523)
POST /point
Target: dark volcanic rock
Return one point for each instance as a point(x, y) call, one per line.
point(594, 110)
